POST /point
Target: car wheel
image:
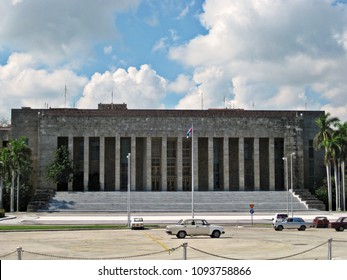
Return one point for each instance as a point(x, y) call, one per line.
point(341, 228)
point(302, 228)
point(279, 228)
point(181, 234)
point(215, 234)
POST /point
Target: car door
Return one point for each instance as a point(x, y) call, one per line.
point(201, 227)
point(190, 227)
point(289, 223)
point(344, 222)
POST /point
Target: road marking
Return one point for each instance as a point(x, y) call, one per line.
point(156, 240)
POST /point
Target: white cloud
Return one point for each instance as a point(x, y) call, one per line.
point(269, 48)
point(23, 83)
point(108, 49)
point(57, 32)
point(161, 44)
point(139, 88)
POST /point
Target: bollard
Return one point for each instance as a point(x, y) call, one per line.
point(185, 245)
point(19, 253)
point(330, 248)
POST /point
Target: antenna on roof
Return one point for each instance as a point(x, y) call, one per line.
point(65, 92)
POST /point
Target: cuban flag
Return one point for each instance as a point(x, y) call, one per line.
point(189, 132)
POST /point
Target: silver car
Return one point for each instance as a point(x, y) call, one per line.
point(291, 223)
point(194, 227)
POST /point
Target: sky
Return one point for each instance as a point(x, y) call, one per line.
point(174, 54)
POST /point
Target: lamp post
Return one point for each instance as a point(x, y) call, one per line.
point(291, 179)
point(128, 202)
point(287, 187)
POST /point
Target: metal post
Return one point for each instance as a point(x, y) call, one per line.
point(185, 245)
point(291, 181)
point(287, 187)
point(192, 171)
point(19, 253)
point(128, 202)
point(330, 248)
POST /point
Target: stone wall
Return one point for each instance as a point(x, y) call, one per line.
point(43, 127)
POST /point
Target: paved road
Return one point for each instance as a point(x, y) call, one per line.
point(152, 218)
point(249, 243)
point(241, 241)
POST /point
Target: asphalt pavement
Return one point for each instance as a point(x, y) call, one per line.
point(233, 218)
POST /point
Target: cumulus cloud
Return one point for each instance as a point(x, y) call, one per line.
point(58, 31)
point(270, 51)
point(23, 83)
point(139, 88)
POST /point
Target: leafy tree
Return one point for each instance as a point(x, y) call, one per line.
point(341, 144)
point(60, 170)
point(16, 166)
point(322, 141)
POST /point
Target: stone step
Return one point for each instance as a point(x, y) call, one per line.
point(172, 201)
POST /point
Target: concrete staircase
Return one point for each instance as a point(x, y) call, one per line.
point(274, 201)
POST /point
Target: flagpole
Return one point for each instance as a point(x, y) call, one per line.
point(192, 171)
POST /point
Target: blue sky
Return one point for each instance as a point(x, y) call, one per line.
point(175, 54)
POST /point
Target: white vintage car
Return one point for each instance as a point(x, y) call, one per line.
point(136, 223)
point(194, 227)
point(292, 223)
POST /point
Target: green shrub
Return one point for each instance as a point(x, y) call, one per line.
point(2, 213)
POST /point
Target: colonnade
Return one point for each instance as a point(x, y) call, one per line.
point(164, 163)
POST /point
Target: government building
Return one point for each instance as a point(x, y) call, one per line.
point(227, 149)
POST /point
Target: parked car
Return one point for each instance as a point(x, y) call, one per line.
point(292, 223)
point(320, 222)
point(194, 227)
point(136, 223)
point(279, 217)
point(340, 224)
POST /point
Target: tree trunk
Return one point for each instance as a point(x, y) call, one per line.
point(1, 191)
point(330, 200)
point(337, 193)
point(12, 193)
point(343, 185)
point(18, 192)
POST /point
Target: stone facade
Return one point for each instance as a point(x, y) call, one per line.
point(232, 149)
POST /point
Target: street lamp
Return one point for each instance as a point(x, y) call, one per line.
point(291, 179)
point(287, 187)
point(128, 204)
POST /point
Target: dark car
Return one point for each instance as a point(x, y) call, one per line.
point(320, 222)
point(340, 224)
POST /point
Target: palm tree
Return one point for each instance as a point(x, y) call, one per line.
point(334, 149)
point(342, 143)
point(19, 159)
point(4, 172)
point(2, 176)
point(321, 140)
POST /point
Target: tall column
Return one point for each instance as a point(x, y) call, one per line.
point(179, 164)
point(210, 164)
point(226, 163)
point(196, 165)
point(117, 163)
point(256, 165)
point(164, 163)
point(102, 163)
point(148, 163)
point(133, 163)
point(70, 148)
point(86, 163)
point(272, 163)
point(242, 163)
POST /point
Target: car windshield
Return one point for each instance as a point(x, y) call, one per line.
point(138, 220)
point(180, 222)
